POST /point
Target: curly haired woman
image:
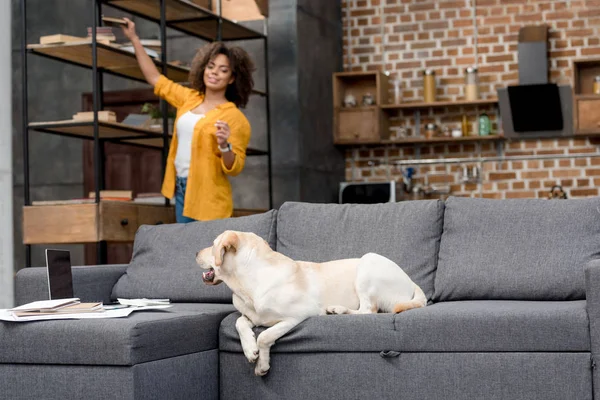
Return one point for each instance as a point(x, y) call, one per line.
point(210, 133)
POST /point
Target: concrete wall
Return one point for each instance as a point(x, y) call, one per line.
point(304, 52)
point(6, 232)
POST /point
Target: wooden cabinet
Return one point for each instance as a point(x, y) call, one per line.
point(586, 104)
point(111, 221)
point(362, 123)
point(587, 113)
point(359, 125)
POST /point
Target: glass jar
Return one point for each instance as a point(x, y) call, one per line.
point(428, 86)
point(597, 85)
point(471, 84)
point(430, 130)
point(484, 125)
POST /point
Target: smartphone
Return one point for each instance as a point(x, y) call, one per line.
point(60, 277)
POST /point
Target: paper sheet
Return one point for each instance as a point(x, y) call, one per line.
point(6, 315)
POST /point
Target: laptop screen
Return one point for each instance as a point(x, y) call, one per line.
point(60, 278)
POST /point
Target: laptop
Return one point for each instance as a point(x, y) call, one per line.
point(60, 278)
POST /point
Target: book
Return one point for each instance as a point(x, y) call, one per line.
point(109, 116)
point(114, 22)
point(76, 308)
point(114, 194)
point(46, 305)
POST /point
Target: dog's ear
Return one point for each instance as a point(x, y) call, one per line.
point(229, 240)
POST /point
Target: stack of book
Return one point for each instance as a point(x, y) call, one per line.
point(56, 307)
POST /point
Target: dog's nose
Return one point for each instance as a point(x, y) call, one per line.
point(197, 253)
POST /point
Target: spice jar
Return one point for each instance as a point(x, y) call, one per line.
point(597, 85)
point(471, 84)
point(430, 130)
point(429, 86)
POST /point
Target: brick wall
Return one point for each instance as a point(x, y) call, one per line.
point(419, 34)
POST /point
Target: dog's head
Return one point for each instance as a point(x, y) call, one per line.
point(230, 250)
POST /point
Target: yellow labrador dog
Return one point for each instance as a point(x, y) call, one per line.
point(272, 290)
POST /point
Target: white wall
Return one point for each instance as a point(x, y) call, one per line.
point(6, 176)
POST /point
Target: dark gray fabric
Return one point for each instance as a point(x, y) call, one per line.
point(522, 249)
point(141, 337)
point(163, 263)
point(406, 232)
point(410, 376)
point(192, 376)
point(478, 326)
point(496, 325)
point(371, 332)
point(90, 283)
point(592, 288)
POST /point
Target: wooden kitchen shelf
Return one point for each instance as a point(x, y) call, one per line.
point(439, 104)
point(110, 59)
point(425, 141)
point(85, 129)
point(112, 221)
point(187, 17)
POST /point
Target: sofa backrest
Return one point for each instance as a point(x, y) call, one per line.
point(407, 233)
point(163, 262)
point(526, 249)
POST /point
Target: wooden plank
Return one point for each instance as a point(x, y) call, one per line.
point(107, 130)
point(175, 9)
point(422, 140)
point(109, 57)
point(76, 223)
point(208, 29)
point(437, 104)
point(242, 212)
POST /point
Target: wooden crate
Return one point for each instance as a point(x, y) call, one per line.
point(111, 221)
point(587, 113)
point(360, 124)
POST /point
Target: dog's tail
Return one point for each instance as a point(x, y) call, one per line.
point(419, 300)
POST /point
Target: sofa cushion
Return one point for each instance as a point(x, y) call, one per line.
point(466, 326)
point(163, 263)
point(406, 232)
point(521, 249)
point(142, 336)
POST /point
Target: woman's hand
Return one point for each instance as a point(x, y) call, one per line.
point(129, 30)
point(222, 133)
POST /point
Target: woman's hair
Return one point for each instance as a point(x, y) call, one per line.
point(241, 69)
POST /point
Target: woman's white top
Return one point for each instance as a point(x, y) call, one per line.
point(185, 132)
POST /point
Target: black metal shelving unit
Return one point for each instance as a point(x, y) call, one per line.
point(196, 21)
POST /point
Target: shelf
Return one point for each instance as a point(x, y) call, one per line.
point(157, 143)
point(357, 108)
point(588, 132)
point(186, 17)
point(110, 59)
point(85, 130)
point(438, 104)
point(112, 131)
point(422, 140)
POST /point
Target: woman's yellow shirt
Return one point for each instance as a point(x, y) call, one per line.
point(208, 194)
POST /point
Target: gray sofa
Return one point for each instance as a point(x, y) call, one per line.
point(514, 311)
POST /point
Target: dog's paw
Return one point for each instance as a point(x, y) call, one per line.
point(252, 356)
point(261, 369)
point(336, 310)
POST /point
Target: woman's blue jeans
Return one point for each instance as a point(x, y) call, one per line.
point(180, 186)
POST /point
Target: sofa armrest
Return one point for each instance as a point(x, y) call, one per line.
point(90, 283)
